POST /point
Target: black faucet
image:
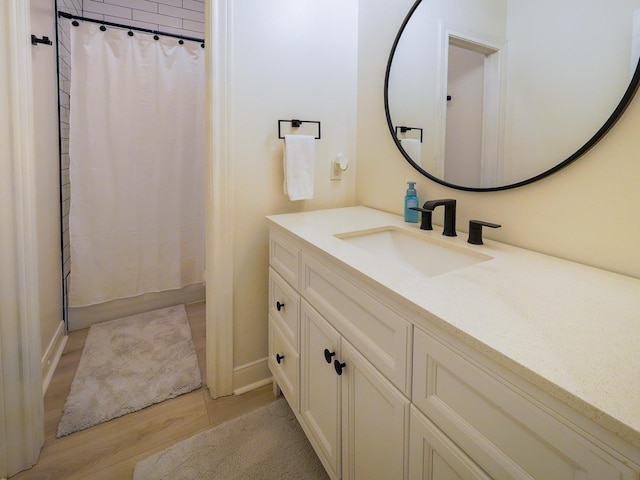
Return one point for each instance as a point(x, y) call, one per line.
point(449, 214)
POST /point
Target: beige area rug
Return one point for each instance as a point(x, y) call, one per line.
point(266, 444)
point(128, 364)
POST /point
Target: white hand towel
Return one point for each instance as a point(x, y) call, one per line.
point(413, 147)
point(299, 162)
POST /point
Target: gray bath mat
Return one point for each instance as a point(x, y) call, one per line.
point(128, 364)
point(266, 444)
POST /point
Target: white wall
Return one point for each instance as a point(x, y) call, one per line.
point(587, 213)
point(288, 60)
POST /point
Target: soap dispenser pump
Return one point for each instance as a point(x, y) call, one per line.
point(411, 201)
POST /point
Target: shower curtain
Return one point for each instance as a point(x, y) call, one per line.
point(137, 164)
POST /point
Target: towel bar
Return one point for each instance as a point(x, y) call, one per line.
point(404, 129)
point(295, 124)
point(44, 40)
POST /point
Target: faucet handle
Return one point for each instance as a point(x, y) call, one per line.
point(425, 224)
point(475, 230)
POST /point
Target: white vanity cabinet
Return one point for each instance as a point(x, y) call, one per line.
point(354, 416)
point(414, 400)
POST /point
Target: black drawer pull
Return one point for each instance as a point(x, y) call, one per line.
point(339, 366)
point(328, 355)
point(279, 358)
point(279, 306)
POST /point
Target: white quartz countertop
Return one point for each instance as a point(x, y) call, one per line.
point(571, 330)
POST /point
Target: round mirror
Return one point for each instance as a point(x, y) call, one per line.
point(487, 95)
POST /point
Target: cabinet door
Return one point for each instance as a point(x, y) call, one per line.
point(375, 422)
point(433, 456)
point(320, 387)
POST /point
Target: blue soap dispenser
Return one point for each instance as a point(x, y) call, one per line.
point(411, 201)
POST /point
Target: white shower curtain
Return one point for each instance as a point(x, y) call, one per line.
point(137, 164)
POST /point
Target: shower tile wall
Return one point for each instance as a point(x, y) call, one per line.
point(73, 7)
point(181, 17)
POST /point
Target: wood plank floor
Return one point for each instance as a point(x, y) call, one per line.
point(109, 451)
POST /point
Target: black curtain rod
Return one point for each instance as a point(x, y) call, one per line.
point(127, 27)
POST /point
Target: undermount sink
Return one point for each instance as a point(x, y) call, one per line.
point(413, 252)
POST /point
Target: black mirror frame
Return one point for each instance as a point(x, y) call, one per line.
point(611, 121)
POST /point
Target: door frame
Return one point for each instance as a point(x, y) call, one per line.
point(21, 396)
point(219, 249)
point(21, 399)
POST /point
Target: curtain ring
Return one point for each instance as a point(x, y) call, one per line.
point(181, 42)
point(103, 28)
point(156, 37)
point(75, 23)
point(130, 33)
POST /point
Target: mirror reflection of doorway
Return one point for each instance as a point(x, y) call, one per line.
point(472, 152)
point(465, 90)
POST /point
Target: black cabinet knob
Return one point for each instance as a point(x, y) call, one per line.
point(279, 306)
point(328, 355)
point(339, 366)
point(279, 358)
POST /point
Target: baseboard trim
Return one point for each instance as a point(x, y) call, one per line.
point(253, 386)
point(52, 356)
point(84, 317)
point(250, 376)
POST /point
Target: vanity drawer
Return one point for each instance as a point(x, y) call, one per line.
point(284, 306)
point(379, 333)
point(500, 428)
point(284, 257)
point(284, 363)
